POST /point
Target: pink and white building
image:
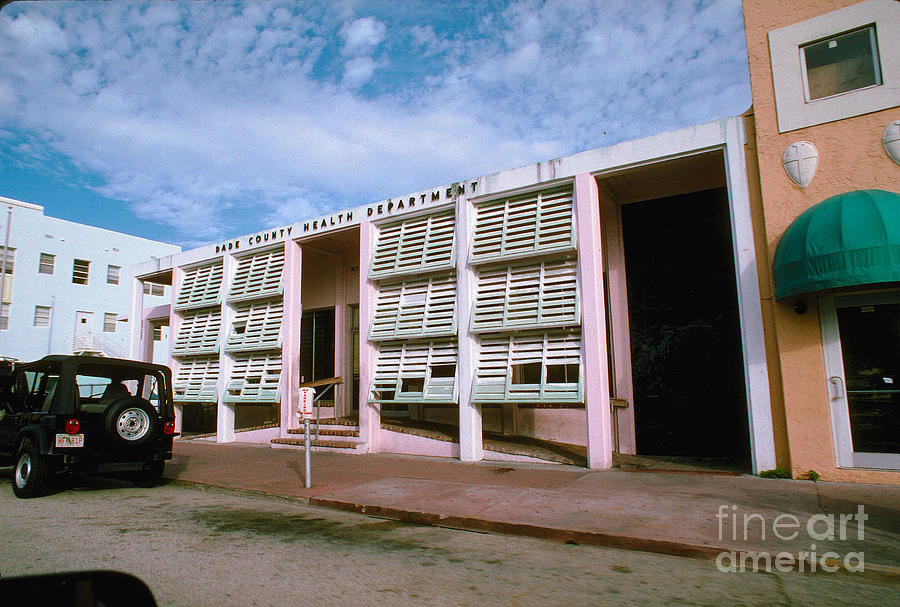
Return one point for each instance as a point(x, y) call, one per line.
point(608, 300)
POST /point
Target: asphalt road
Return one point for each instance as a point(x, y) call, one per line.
point(200, 547)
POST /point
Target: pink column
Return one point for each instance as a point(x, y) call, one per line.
point(174, 326)
point(593, 324)
point(290, 336)
point(369, 413)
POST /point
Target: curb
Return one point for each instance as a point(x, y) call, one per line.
point(565, 536)
point(465, 523)
point(874, 572)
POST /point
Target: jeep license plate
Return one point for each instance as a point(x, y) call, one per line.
point(70, 440)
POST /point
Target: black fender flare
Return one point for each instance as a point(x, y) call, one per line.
point(38, 434)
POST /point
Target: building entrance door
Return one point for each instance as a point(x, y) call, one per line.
point(84, 333)
point(861, 334)
point(686, 359)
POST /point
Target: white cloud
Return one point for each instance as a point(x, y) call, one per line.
point(358, 71)
point(217, 120)
point(361, 36)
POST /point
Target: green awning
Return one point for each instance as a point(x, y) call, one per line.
point(848, 240)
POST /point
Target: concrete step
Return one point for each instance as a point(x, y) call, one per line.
point(322, 444)
point(337, 421)
point(326, 431)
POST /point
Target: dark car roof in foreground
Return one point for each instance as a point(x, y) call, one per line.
point(123, 362)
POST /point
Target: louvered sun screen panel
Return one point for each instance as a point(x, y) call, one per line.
point(415, 308)
point(200, 287)
point(255, 378)
point(525, 225)
point(416, 372)
point(198, 333)
point(523, 296)
point(195, 380)
point(257, 276)
point(414, 245)
point(535, 367)
point(256, 326)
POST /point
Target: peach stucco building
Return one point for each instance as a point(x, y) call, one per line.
point(616, 301)
point(825, 80)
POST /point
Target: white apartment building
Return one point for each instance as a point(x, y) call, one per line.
point(67, 286)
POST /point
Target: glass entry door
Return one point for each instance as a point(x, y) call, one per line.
point(862, 356)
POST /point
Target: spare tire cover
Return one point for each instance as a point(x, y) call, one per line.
point(131, 422)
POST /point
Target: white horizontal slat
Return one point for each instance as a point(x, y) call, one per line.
point(415, 372)
point(196, 380)
point(256, 326)
point(255, 377)
point(540, 358)
point(200, 287)
point(520, 226)
point(198, 333)
point(422, 307)
point(258, 275)
point(414, 245)
point(526, 295)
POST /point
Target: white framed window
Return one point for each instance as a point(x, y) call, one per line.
point(112, 274)
point(196, 380)
point(4, 316)
point(836, 65)
point(154, 289)
point(109, 322)
point(414, 245)
point(198, 333)
point(200, 286)
point(255, 377)
point(256, 326)
point(529, 367)
point(8, 256)
point(526, 295)
point(42, 316)
point(258, 275)
point(524, 225)
point(842, 63)
point(415, 308)
point(416, 372)
point(81, 269)
point(47, 264)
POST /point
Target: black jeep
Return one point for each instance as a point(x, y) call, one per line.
point(85, 414)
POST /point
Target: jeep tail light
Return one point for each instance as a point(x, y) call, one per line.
point(72, 426)
point(169, 428)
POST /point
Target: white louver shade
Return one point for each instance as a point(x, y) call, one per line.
point(536, 367)
point(200, 287)
point(256, 326)
point(416, 371)
point(196, 380)
point(526, 296)
point(255, 378)
point(415, 307)
point(258, 275)
point(414, 245)
point(198, 333)
point(524, 225)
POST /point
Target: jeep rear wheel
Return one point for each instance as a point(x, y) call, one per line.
point(131, 422)
point(31, 473)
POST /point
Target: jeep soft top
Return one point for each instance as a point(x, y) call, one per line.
point(85, 414)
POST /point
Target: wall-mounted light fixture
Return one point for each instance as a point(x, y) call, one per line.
point(800, 306)
point(890, 139)
point(800, 161)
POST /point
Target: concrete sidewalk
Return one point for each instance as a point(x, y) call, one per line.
point(698, 515)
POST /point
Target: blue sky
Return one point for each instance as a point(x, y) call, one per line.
point(194, 122)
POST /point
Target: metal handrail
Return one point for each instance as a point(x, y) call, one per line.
point(331, 382)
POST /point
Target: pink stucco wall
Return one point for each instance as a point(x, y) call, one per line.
point(851, 157)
